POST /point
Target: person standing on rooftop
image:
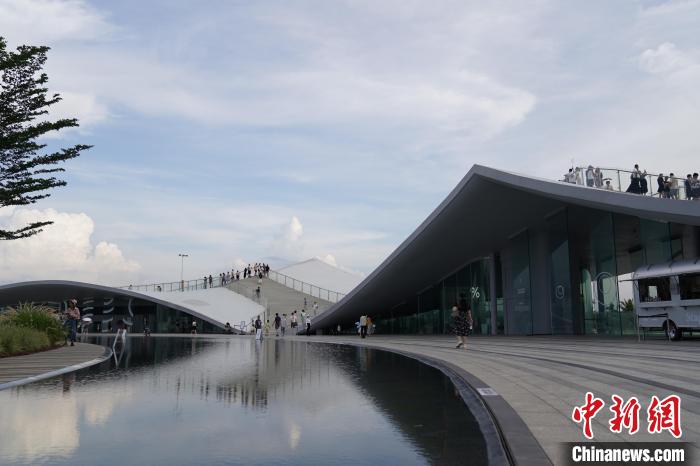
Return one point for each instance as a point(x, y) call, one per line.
point(598, 177)
point(673, 189)
point(590, 176)
point(569, 177)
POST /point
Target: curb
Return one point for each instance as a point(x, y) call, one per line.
point(65, 370)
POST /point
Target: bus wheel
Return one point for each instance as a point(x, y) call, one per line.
point(672, 331)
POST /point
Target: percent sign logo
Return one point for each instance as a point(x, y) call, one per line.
point(475, 292)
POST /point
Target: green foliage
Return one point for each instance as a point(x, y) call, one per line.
point(26, 172)
point(18, 340)
point(32, 316)
point(627, 305)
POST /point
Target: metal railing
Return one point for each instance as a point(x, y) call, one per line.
point(307, 288)
point(202, 284)
point(622, 181)
point(182, 285)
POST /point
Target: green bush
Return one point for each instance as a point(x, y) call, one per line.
point(32, 316)
point(17, 340)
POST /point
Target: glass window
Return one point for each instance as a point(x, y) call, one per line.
point(690, 286)
point(655, 289)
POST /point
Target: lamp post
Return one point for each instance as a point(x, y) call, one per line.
point(182, 270)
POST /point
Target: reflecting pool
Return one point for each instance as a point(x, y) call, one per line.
point(185, 401)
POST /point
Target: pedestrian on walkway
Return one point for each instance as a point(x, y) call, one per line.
point(284, 323)
point(258, 329)
point(277, 323)
point(267, 327)
point(294, 321)
point(461, 325)
point(194, 328)
point(308, 327)
point(72, 318)
point(370, 326)
point(363, 326)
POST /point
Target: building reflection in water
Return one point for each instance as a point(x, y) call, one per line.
point(276, 392)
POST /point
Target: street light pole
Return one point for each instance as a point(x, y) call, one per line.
point(182, 267)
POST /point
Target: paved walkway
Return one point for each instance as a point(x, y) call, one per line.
point(35, 365)
point(543, 378)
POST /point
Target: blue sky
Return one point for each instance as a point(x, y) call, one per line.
point(286, 130)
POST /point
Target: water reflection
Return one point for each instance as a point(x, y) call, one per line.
point(237, 401)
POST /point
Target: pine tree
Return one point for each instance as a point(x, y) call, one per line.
point(26, 170)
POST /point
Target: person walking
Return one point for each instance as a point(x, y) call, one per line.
point(461, 325)
point(363, 326)
point(267, 327)
point(294, 321)
point(194, 328)
point(72, 318)
point(258, 329)
point(370, 325)
point(277, 323)
point(283, 324)
point(308, 327)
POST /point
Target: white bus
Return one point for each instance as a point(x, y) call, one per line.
point(667, 296)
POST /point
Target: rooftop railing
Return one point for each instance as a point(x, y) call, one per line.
point(202, 284)
point(622, 180)
point(307, 288)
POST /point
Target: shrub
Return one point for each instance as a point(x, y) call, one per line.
point(14, 340)
point(32, 316)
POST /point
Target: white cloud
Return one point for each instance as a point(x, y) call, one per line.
point(288, 243)
point(64, 250)
point(46, 22)
point(665, 59)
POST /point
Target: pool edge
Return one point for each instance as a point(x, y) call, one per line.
point(510, 434)
point(64, 370)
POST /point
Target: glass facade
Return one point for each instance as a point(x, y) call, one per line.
point(560, 275)
point(137, 314)
point(468, 287)
point(518, 299)
point(574, 284)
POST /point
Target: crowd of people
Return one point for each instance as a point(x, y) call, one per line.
point(259, 270)
point(668, 186)
point(281, 323)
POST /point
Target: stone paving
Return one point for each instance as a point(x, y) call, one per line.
point(32, 365)
point(543, 378)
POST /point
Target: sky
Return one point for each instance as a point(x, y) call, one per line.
point(239, 131)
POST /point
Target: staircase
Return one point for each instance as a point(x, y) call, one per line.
point(278, 298)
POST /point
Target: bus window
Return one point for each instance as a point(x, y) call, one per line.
point(690, 286)
point(655, 289)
